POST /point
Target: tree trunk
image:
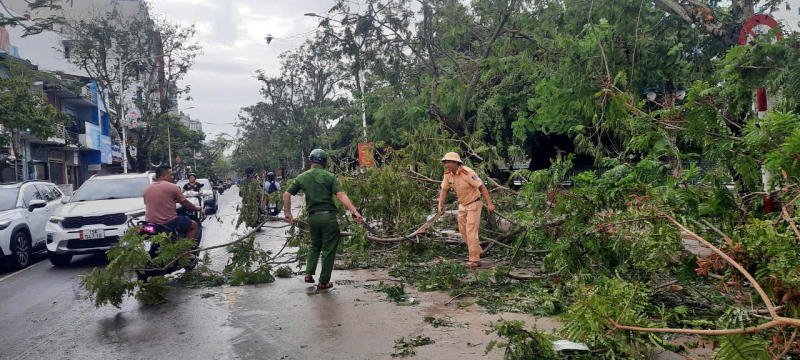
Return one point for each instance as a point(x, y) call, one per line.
point(462, 115)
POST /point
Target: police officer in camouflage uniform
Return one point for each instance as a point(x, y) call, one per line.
point(320, 186)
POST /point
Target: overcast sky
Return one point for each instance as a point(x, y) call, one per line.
point(232, 35)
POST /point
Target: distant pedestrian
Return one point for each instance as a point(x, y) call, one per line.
point(468, 187)
point(320, 186)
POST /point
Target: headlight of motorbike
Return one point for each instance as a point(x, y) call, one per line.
point(56, 219)
point(4, 224)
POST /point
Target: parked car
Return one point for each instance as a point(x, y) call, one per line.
point(210, 195)
point(96, 216)
point(24, 210)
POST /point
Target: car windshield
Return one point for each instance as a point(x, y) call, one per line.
point(206, 184)
point(8, 198)
point(109, 188)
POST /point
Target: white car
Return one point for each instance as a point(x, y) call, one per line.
point(96, 216)
point(24, 210)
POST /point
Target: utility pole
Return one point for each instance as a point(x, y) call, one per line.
point(169, 147)
point(363, 105)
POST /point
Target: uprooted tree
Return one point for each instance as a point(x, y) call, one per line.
point(606, 251)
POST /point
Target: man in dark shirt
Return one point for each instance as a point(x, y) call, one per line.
point(320, 186)
point(192, 185)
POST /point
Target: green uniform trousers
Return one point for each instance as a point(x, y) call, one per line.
point(325, 236)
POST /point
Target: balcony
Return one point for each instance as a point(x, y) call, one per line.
point(87, 94)
point(59, 137)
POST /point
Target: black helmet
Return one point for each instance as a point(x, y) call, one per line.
point(271, 176)
point(190, 175)
point(318, 156)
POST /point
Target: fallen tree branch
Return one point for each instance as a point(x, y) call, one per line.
point(535, 277)
point(788, 344)
point(775, 321)
point(501, 187)
point(602, 226)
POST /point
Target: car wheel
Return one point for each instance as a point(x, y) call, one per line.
point(59, 259)
point(21, 249)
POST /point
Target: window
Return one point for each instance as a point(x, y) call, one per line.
point(56, 192)
point(8, 198)
point(111, 188)
point(44, 190)
point(30, 193)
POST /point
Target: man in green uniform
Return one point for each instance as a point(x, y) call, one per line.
point(319, 185)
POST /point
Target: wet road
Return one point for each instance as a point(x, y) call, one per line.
point(44, 315)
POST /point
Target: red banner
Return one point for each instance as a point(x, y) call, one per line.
point(365, 155)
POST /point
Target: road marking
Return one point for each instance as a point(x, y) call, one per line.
point(15, 273)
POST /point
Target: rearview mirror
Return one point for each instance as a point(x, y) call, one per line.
point(65, 199)
point(36, 204)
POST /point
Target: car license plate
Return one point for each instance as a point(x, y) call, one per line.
point(93, 234)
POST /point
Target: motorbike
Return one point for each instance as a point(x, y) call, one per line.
point(221, 188)
point(196, 198)
point(148, 229)
point(272, 207)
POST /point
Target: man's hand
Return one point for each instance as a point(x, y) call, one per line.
point(490, 208)
point(358, 217)
point(289, 218)
point(441, 211)
point(197, 208)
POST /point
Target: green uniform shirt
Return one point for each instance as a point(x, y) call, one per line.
point(319, 185)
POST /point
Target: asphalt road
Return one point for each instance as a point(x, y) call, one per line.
point(44, 313)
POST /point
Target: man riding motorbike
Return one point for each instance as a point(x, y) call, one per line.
point(159, 200)
point(271, 186)
point(193, 185)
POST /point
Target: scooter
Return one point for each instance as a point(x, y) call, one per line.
point(196, 198)
point(148, 229)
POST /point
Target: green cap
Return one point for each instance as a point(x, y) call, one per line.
point(318, 156)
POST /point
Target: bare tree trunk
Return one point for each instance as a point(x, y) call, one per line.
point(462, 115)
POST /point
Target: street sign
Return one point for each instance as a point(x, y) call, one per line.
point(756, 26)
point(133, 114)
point(365, 155)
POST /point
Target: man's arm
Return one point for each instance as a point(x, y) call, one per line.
point(442, 197)
point(489, 205)
point(349, 205)
point(287, 206)
point(188, 205)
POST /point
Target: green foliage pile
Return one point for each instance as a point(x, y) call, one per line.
point(248, 264)
point(405, 347)
point(111, 285)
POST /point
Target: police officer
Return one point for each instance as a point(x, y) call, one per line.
point(320, 186)
point(468, 187)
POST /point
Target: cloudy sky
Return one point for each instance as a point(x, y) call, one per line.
point(232, 35)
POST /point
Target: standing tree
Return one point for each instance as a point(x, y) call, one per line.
point(24, 108)
point(136, 60)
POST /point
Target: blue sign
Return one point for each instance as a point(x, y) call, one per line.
point(105, 149)
point(93, 136)
point(116, 152)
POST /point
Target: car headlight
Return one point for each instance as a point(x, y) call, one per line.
point(56, 219)
point(4, 224)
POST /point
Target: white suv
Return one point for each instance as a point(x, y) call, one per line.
point(96, 216)
point(24, 210)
